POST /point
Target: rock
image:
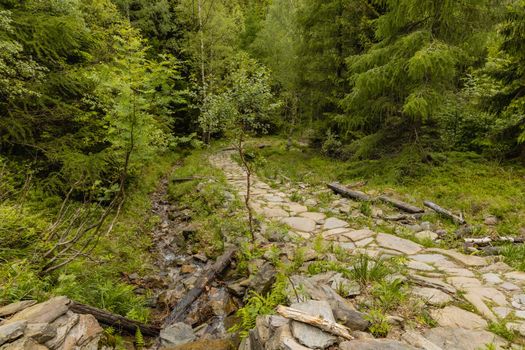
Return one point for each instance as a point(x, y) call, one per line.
point(499, 267)
point(516, 275)
point(418, 265)
point(300, 223)
point(24, 344)
point(490, 220)
point(63, 325)
point(176, 334)
point(469, 260)
point(434, 282)
point(296, 208)
point(275, 213)
point(426, 235)
point(45, 312)
point(334, 234)
point(395, 243)
point(15, 307)
point(332, 223)
point(417, 340)
point(310, 202)
point(453, 316)
point(511, 287)
point(518, 301)
point(221, 303)
point(311, 336)
point(263, 280)
point(364, 242)
point(432, 296)
point(273, 198)
point(41, 332)
point(464, 282)
point(206, 344)
point(86, 331)
point(187, 269)
point(317, 217)
point(283, 340)
point(358, 235)
point(456, 338)
point(12, 331)
point(374, 344)
point(502, 311)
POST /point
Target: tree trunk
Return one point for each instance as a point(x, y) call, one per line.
point(445, 212)
point(346, 192)
point(401, 205)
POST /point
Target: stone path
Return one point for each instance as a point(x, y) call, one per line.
point(439, 276)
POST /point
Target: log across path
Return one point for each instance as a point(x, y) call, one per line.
point(441, 277)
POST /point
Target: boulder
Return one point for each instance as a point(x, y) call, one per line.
point(310, 336)
point(283, 340)
point(63, 326)
point(24, 344)
point(12, 331)
point(41, 332)
point(45, 312)
point(13, 308)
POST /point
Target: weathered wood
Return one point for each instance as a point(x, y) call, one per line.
point(489, 240)
point(179, 312)
point(318, 322)
point(401, 205)
point(398, 217)
point(118, 322)
point(444, 212)
point(346, 192)
point(185, 179)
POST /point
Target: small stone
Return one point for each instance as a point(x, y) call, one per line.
point(176, 334)
point(307, 335)
point(490, 220)
point(426, 226)
point(426, 235)
point(187, 269)
point(15, 307)
point(310, 202)
point(296, 208)
point(499, 267)
point(396, 243)
point(273, 198)
point(432, 296)
point(502, 311)
point(201, 257)
point(518, 301)
point(453, 316)
point(12, 331)
point(300, 223)
point(332, 223)
point(282, 339)
point(516, 275)
point(492, 278)
point(417, 340)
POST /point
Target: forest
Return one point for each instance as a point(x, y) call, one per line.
point(193, 167)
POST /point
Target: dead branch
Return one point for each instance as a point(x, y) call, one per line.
point(346, 192)
point(442, 211)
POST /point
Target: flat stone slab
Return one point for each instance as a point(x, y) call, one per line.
point(392, 242)
point(313, 215)
point(453, 316)
point(310, 336)
point(296, 208)
point(432, 296)
point(10, 332)
point(336, 232)
point(273, 198)
point(332, 223)
point(364, 242)
point(45, 312)
point(492, 278)
point(469, 260)
point(358, 235)
point(16, 307)
point(456, 338)
point(460, 272)
point(300, 224)
point(436, 259)
point(464, 282)
point(274, 213)
point(418, 265)
point(374, 344)
point(516, 275)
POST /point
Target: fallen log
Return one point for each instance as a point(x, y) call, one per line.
point(346, 192)
point(179, 312)
point(118, 322)
point(185, 179)
point(489, 240)
point(401, 205)
point(398, 217)
point(445, 212)
point(315, 321)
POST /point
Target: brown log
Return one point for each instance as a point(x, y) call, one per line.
point(489, 240)
point(120, 323)
point(346, 192)
point(401, 205)
point(179, 312)
point(445, 212)
point(315, 321)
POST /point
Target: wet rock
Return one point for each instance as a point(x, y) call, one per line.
point(456, 338)
point(311, 336)
point(24, 344)
point(453, 316)
point(15, 307)
point(176, 334)
point(42, 313)
point(374, 344)
point(12, 331)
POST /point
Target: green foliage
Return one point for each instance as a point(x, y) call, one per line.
point(514, 255)
point(379, 326)
point(500, 329)
point(366, 270)
point(389, 294)
point(256, 305)
point(20, 281)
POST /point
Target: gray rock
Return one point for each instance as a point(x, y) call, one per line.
point(41, 332)
point(63, 326)
point(307, 335)
point(456, 338)
point(332, 223)
point(16, 307)
point(283, 340)
point(417, 340)
point(426, 235)
point(12, 331)
point(45, 312)
point(490, 220)
point(299, 223)
point(177, 334)
point(263, 280)
point(24, 344)
point(432, 296)
point(374, 344)
point(395, 243)
point(453, 316)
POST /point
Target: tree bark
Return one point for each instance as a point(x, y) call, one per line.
point(179, 312)
point(445, 212)
point(401, 205)
point(117, 321)
point(346, 192)
point(315, 321)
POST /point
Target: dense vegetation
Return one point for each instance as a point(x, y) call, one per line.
point(99, 97)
